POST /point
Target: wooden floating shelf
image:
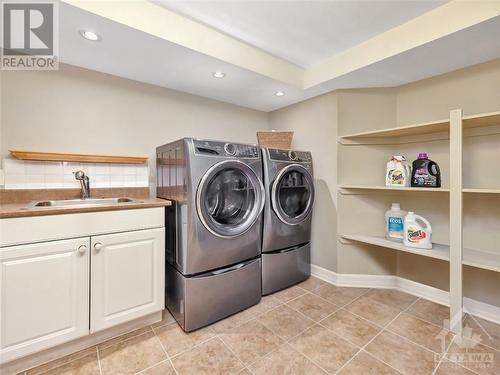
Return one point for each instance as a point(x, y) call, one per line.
point(387, 188)
point(474, 258)
point(78, 158)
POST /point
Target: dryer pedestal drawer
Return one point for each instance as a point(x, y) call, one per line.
point(201, 300)
point(282, 269)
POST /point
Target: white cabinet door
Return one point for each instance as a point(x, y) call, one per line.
point(128, 276)
point(44, 295)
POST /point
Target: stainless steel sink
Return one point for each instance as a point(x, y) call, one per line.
point(81, 202)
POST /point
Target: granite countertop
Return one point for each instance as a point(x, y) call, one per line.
point(14, 203)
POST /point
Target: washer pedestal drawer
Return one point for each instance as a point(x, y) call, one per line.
point(201, 300)
point(285, 268)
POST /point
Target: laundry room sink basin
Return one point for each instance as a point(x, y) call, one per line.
point(81, 202)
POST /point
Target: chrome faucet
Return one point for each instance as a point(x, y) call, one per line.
point(84, 182)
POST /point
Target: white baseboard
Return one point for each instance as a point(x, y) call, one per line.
point(477, 308)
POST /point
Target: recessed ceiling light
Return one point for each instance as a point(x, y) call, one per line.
point(90, 35)
point(279, 93)
point(219, 74)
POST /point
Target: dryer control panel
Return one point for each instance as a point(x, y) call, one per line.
point(290, 155)
point(227, 149)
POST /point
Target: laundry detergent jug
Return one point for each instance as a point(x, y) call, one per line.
point(426, 172)
point(417, 232)
point(398, 172)
point(394, 223)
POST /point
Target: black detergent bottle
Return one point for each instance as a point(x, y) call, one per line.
point(425, 172)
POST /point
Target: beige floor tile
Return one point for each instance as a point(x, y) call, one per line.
point(271, 301)
point(426, 334)
point(285, 322)
point(406, 357)
point(312, 306)
point(250, 341)
point(325, 348)
point(365, 364)
point(175, 340)
point(288, 294)
point(339, 296)
point(344, 324)
point(431, 312)
point(126, 336)
point(266, 303)
point(162, 368)
point(489, 332)
point(87, 365)
point(285, 361)
point(61, 361)
point(167, 318)
point(450, 368)
point(233, 321)
point(391, 297)
point(372, 310)
point(480, 359)
point(210, 358)
point(312, 283)
point(132, 355)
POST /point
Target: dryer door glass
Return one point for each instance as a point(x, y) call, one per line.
point(293, 194)
point(229, 199)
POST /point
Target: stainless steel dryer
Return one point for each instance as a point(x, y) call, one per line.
point(289, 185)
point(213, 228)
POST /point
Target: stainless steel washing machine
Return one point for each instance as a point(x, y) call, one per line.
point(289, 186)
point(213, 227)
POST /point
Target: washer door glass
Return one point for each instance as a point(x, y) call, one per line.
point(293, 194)
point(229, 198)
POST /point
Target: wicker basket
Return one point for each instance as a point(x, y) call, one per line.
point(275, 139)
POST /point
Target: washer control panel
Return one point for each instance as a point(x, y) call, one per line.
point(290, 155)
point(227, 149)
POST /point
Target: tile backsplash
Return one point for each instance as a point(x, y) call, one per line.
point(23, 174)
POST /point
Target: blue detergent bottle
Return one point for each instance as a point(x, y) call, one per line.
point(394, 223)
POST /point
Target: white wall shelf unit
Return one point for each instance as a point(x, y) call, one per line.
point(481, 191)
point(473, 258)
point(438, 251)
point(345, 189)
point(481, 120)
point(481, 259)
point(431, 127)
point(363, 197)
point(403, 131)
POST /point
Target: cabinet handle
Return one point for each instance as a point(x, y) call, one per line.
point(98, 246)
point(82, 249)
